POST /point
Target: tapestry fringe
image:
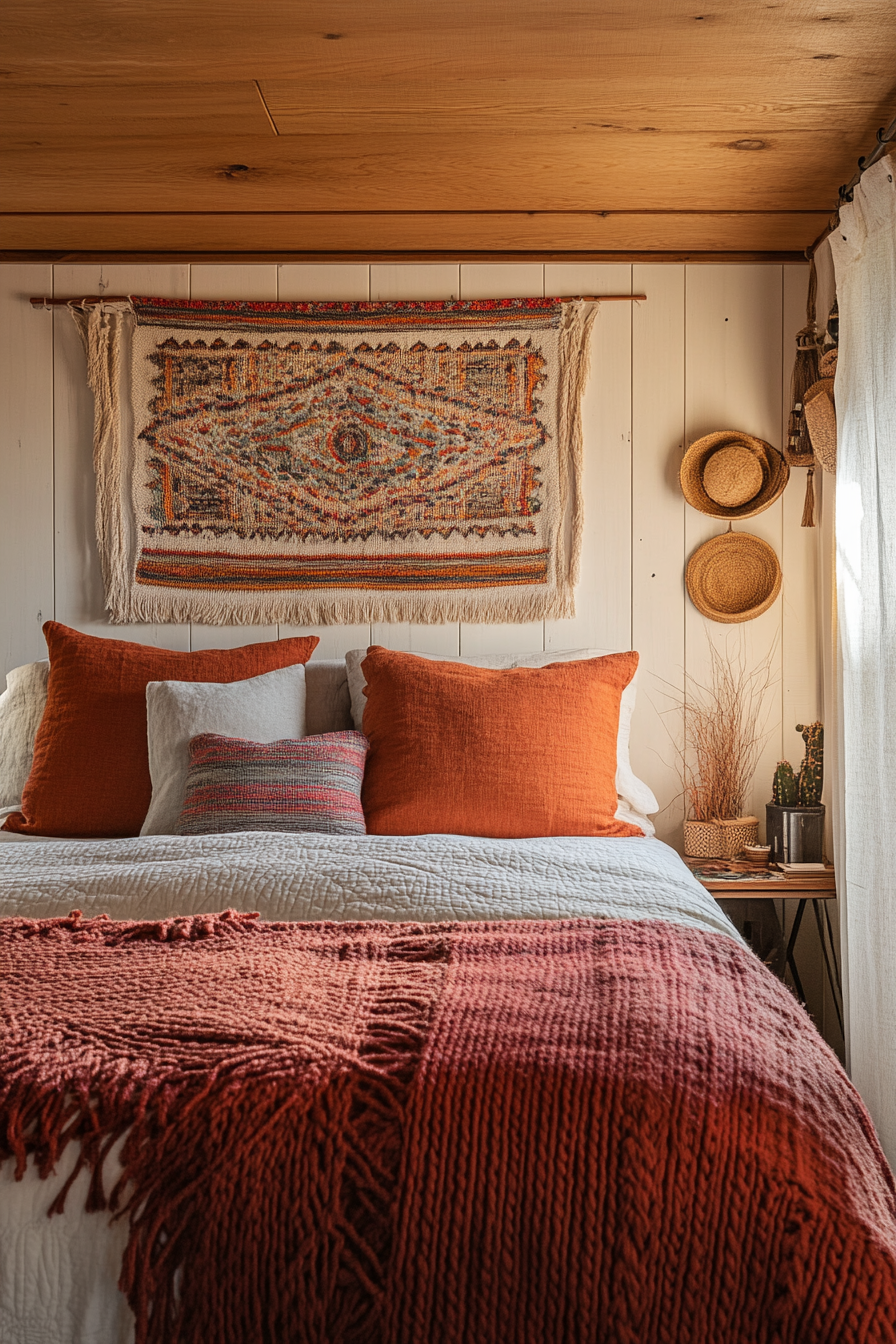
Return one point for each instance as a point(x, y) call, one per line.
point(102, 329)
point(575, 362)
point(210, 609)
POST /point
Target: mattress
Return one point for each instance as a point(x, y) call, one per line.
point(58, 1275)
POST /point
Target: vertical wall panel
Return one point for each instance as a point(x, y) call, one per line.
point(495, 281)
point(438, 280)
point(324, 282)
point(603, 597)
point(79, 585)
point(658, 543)
point(733, 381)
point(231, 282)
point(327, 282)
point(26, 465)
point(416, 282)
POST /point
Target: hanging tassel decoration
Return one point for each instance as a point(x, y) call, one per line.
point(798, 448)
point(805, 373)
point(809, 503)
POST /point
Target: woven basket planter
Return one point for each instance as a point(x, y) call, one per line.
point(736, 833)
point(719, 839)
point(702, 840)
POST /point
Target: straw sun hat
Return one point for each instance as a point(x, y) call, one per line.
point(821, 419)
point(733, 578)
point(732, 475)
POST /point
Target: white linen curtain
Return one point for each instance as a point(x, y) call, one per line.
point(864, 251)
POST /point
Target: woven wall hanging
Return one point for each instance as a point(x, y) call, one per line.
point(338, 462)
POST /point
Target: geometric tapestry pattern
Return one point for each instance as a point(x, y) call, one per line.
point(351, 461)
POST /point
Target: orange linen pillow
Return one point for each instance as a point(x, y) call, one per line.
point(90, 775)
point(471, 751)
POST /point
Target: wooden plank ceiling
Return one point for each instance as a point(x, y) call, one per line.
point(401, 128)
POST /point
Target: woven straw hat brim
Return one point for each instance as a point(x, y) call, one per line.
point(775, 474)
point(821, 421)
point(733, 578)
point(827, 365)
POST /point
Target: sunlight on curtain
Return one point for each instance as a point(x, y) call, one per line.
point(864, 251)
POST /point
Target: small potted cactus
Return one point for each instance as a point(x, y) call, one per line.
point(794, 819)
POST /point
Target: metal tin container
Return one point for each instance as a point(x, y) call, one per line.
point(796, 834)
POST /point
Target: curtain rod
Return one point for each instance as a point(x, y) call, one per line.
point(885, 137)
point(40, 302)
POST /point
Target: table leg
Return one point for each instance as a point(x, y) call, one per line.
point(827, 963)
point(827, 918)
point(791, 941)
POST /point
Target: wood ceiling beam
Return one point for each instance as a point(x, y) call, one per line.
point(434, 232)
point(62, 114)
point(47, 116)
point(55, 40)
point(572, 108)
point(601, 171)
point(280, 258)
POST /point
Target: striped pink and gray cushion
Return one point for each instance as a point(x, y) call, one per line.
point(311, 784)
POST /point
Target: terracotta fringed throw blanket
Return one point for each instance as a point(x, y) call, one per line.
point(450, 1134)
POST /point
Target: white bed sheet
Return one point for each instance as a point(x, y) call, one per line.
point(58, 1275)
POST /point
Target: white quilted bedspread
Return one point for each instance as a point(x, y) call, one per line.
point(58, 1276)
point(428, 877)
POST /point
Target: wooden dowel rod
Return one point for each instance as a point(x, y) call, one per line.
point(82, 298)
point(37, 302)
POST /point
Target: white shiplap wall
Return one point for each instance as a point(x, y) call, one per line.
point(711, 348)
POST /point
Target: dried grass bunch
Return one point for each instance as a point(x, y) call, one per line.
point(724, 733)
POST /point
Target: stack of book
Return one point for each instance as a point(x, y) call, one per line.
point(804, 869)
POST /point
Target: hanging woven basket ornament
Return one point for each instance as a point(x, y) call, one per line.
point(733, 578)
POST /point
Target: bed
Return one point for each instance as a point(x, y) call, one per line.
point(603, 1119)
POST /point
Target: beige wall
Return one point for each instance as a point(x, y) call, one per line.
point(711, 348)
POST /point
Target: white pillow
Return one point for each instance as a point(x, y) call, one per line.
point(22, 707)
point(635, 798)
point(262, 709)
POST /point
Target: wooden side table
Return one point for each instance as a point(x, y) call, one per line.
point(817, 889)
